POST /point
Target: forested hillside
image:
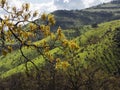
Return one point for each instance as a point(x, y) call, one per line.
point(97, 14)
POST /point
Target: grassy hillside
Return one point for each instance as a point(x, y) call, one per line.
point(100, 45)
point(95, 40)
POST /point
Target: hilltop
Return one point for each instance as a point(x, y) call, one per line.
point(96, 14)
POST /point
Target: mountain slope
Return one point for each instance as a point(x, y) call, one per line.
point(97, 14)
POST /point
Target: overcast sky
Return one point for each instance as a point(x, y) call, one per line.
point(51, 5)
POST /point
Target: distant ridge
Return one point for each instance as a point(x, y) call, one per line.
point(115, 1)
point(97, 14)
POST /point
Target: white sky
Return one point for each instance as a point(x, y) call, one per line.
point(52, 5)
